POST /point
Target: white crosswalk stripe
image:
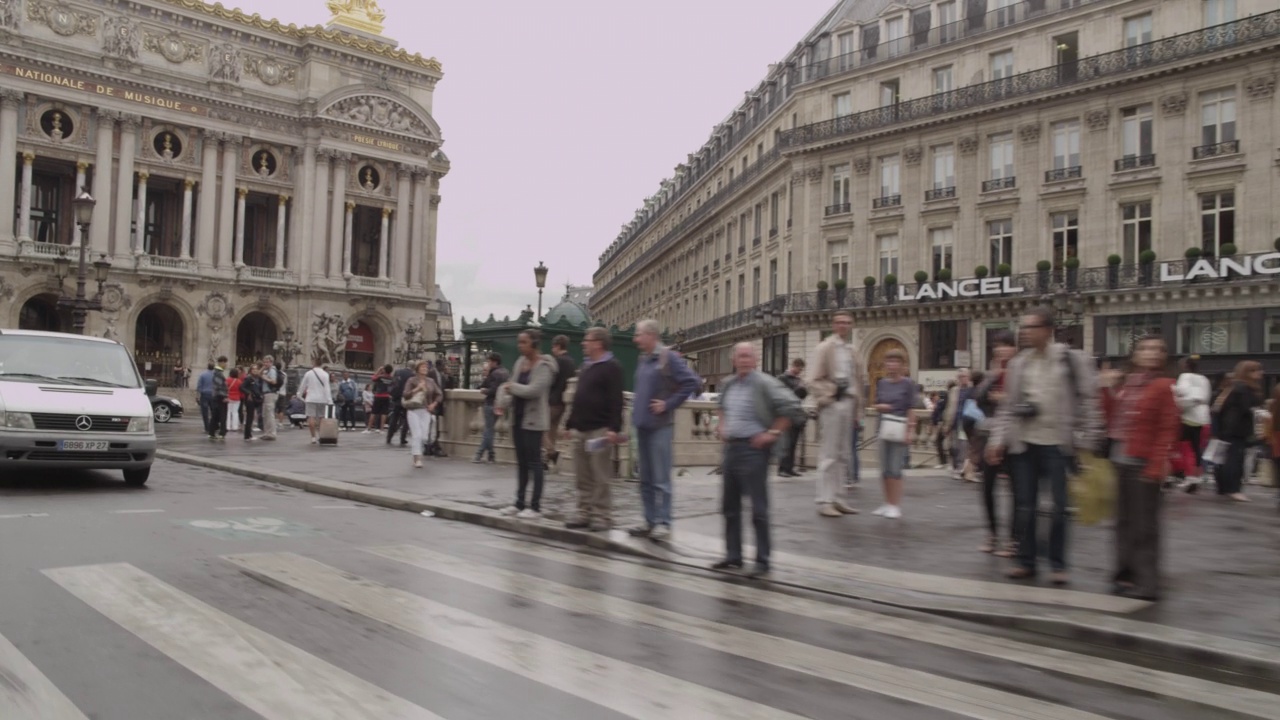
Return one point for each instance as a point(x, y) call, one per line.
point(1166, 684)
point(629, 689)
point(902, 683)
point(25, 692)
point(269, 676)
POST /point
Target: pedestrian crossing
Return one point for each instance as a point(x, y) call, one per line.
point(635, 641)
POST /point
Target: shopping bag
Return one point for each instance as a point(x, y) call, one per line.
point(1183, 460)
point(1093, 489)
point(1215, 452)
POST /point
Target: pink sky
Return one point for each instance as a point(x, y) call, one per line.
point(561, 116)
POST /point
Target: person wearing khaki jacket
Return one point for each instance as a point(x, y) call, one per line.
point(1050, 412)
point(836, 380)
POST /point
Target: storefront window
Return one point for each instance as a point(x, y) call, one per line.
point(939, 342)
point(1213, 333)
point(1273, 332)
point(1124, 330)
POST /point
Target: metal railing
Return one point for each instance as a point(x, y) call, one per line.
point(264, 273)
point(1229, 147)
point(1133, 162)
point(1068, 173)
point(838, 209)
point(1003, 183)
point(886, 201)
point(940, 193)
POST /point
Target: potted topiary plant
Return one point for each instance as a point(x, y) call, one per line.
point(890, 286)
point(944, 275)
point(869, 287)
point(1113, 271)
point(841, 286)
point(1146, 266)
point(1073, 272)
point(1226, 251)
point(922, 277)
point(822, 293)
point(981, 271)
point(1276, 244)
point(1004, 270)
point(1042, 275)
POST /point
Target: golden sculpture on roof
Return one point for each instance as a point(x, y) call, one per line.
point(362, 15)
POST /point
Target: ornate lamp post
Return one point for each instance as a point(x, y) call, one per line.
point(287, 348)
point(80, 303)
point(765, 322)
point(540, 277)
point(1068, 311)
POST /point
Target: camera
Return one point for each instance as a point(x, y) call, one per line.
point(842, 389)
point(1025, 410)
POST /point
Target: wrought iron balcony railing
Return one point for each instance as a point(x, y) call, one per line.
point(838, 209)
point(1133, 162)
point(1003, 183)
point(755, 241)
point(1067, 173)
point(887, 201)
point(940, 193)
point(1229, 147)
point(773, 233)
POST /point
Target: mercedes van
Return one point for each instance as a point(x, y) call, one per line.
point(71, 401)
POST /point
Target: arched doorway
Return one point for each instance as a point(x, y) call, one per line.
point(875, 363)
point(159, 338)
point(41, 313)
point(255, 336)
point(361, 348)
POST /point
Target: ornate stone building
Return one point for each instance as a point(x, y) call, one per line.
point(936, 166)
point(250, 177)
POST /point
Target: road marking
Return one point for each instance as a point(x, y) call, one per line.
point(903, 683)
point(625, 688)
point(1172, 685)
point(269, 676)
point(243, 507)
point(933, 584)
point(336, 507)
point(241, 528)
point(23, 515)
point(25, 692)
point(135, 512)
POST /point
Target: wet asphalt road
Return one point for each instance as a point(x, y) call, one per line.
point(207, 595)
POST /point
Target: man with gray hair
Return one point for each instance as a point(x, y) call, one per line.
point(755, 410)
point(836, 380)
point(596, 422)
point(663, 383)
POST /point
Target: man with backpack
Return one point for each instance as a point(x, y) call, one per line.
point(218, 416)
point(272, 382)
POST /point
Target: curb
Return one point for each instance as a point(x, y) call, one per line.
point(1200, 649)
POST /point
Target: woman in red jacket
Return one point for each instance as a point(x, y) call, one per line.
point(1143, 430)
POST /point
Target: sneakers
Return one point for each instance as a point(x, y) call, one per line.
point(529, 514)
point(315, 441)
point(509, 511)
point(893, 512)
point(477, 460)
point(660, 533)
point(829, 510)
point(880, 511)
point(642, 530)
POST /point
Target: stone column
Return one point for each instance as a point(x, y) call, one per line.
point(339, 259)
point(100, 230)
point(82, 168)
point(281, 215)
point(227, 202)
point(138, 242)
point(240, 196)
point(300, 236)
point(350, 210)
point(122, 237)
point(400, 243)
point(24, 199)
point(206, 225)
point(9, 99)
point(382, 243)
point(185, 252)
point(429, 259)
point(320, 214)
point(417, 233)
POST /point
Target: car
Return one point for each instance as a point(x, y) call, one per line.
point(165, 408)
point(73, 402)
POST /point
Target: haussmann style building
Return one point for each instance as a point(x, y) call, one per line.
point(937, 166)
point(253, 181)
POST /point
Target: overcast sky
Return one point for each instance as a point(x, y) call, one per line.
point(561, 116)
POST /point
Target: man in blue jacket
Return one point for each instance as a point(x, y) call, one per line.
point(663, 383)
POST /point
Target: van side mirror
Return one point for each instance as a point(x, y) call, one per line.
point(152, 386)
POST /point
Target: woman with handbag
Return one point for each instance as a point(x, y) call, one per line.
point(1236, 426)
point(421, 396)
point(987, 396)
point(895, 401)
point(1144, 427)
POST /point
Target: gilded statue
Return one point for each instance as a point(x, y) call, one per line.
point(362, 15)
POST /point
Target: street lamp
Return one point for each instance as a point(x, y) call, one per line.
point(1066, 305)
point(286, 347)
point(765, 322)
point(540, 277)
point(80, 303)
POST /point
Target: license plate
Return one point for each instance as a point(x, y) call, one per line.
point(83, 445)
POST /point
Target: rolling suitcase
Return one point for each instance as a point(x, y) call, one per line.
point(328, 432)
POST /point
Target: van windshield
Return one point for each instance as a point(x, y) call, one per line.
point(67, 361)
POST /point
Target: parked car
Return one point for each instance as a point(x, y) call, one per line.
point(164, 408)
point(72, 401)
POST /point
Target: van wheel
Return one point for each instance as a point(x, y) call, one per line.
point(137, 478)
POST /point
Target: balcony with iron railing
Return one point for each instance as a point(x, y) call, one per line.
point(1074, 172)
point(943, 193)
point(886, 201)
point(1230, 147)
point(773, 232)
point(1003, 183)
point(838, 209)
point(1134, 162)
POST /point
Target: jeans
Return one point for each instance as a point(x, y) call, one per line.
point(419, 422)
point(746, 471)
point(893, 458)
point(528, 462)
point(217, 417)
point(206, 409)
point(486, 441)
point(347, 415)
point(795, 435)
point(1231, 476)
point(655, 473)
point(1040, 462)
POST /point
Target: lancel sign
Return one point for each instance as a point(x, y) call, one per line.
point(971, 288)
point(1265, 264)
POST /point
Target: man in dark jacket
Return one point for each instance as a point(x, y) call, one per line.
point(399, 420)
point(218, 416)
point(596, 416)
point(494, 377)
point(793, 378)
point(555, 401)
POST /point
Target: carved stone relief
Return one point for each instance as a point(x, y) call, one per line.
point(1029, 133)
point(797, 177)
point(115, 299)
point(968, 145)
point(862, 165)
point(61, 18)
point(173, 47)
point(121, 38)
point(9, 14)
point(815, 175)
point(1174, 104)
point(913, 154)
point(224, 63)
point(1098, 119)
point(270, 72)
point(377, 112)
point(1260, 87)
point(328, 337)
point(216, 305)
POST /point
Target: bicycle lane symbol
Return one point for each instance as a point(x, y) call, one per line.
point(239, 529)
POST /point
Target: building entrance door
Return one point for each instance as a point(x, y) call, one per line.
point(875, 363)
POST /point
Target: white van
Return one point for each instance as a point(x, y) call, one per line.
point(70, 401)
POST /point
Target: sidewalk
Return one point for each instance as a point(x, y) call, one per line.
point(1220, 560)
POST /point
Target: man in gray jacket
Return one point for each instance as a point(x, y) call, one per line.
point(1050, 412)
point(524, 397)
